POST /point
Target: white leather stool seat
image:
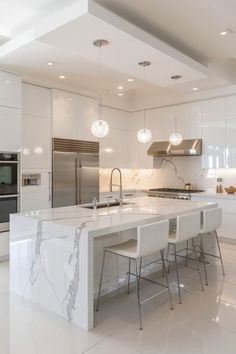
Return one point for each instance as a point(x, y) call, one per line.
point(126, 249)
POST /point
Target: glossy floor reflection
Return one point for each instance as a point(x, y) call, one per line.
point(204, 324)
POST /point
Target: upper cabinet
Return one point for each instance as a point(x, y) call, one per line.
point(36, 131)
point(10, 90)
point(73, 116)
point(230, 146)
point(189, 120)
point(10, 129)
point(214, 132)
point(10, 112)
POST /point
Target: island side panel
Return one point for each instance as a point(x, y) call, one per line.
point(48, 265)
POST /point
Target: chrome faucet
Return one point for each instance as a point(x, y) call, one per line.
point(118, 185)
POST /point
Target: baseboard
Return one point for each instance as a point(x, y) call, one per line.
point(4, 258)
point(227, 240)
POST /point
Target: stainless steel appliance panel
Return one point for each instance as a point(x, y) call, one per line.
point(65, 191)
point(9, 173)
point(88, 177)
point(8, 205)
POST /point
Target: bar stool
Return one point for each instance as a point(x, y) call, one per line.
point(187, 227)
point(151, 238)
point(212, 219)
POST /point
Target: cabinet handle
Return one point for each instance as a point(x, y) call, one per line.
point(49, 187)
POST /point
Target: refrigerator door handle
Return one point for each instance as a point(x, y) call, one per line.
point(79, 179)
point(76, 182)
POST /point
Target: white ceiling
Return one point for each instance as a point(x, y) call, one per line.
point(17, 16)
point(190, 28)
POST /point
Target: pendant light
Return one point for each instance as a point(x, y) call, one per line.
point(144, 135)
point(175, 138)
point(100, 128)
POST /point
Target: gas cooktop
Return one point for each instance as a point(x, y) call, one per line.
point(175, 190)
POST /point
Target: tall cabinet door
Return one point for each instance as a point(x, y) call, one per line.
point(64, 179)
point(213, 133)
point(231, 132)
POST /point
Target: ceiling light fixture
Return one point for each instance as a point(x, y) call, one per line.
point(226, 32)
point(120, 88)
point(100, 128)
point(62, 77)
point(130, 80)
point(120, 94)
point(175, 138)
point(223, 33)
point(51, 63)
point(195, 88)
point(144, 135)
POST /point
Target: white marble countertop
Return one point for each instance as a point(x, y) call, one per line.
point(213, 194)
point(139, 210)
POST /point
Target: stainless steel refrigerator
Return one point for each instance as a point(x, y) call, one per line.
point(75, 178)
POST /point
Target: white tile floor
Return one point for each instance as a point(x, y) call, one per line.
point(204, 324)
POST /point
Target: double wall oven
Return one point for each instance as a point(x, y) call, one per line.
point(9, 187)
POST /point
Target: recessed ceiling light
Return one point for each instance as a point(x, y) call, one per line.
point(51, 63)
point(223, 33)
point(195, 88)
point(226, 32)
point(130, 80)
point(120, 94)
point(62, 77)
point(120, 87)
point(69, 99)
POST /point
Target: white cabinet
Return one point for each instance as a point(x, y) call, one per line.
point(231, 107)
point(37, 197)
point(36, 101)
point(116, 147)
point(10, 129)
point(230, 151)
point(73, 116)
point(10, 90)
point(36, 139)
point(36, 143)
point(189, 120)
point(228, 227)
point(4, 246)
point(213, 133)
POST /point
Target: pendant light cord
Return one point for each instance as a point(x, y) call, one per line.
point(100, 79)
point(144, 106)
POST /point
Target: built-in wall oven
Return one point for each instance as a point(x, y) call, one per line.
point(9, 187)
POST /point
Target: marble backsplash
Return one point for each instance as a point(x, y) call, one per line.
point(172, 173)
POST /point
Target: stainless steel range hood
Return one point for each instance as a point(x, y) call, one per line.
point(189, 147)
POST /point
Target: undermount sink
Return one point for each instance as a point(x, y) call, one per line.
point(104, 205)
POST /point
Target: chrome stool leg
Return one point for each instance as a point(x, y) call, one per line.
point(197, 264)
point(177, 273)
point(167, 257)
point(203, 259)
point(186, 260)
point(138, 297)
point(219, 250)
point(128, 277)
point(100, 284)
point(167, 280)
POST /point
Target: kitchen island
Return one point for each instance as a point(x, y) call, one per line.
point(55, 254)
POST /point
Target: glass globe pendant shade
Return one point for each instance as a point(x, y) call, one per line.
point(144, 135)
point(100, 128)
point(175, 139)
